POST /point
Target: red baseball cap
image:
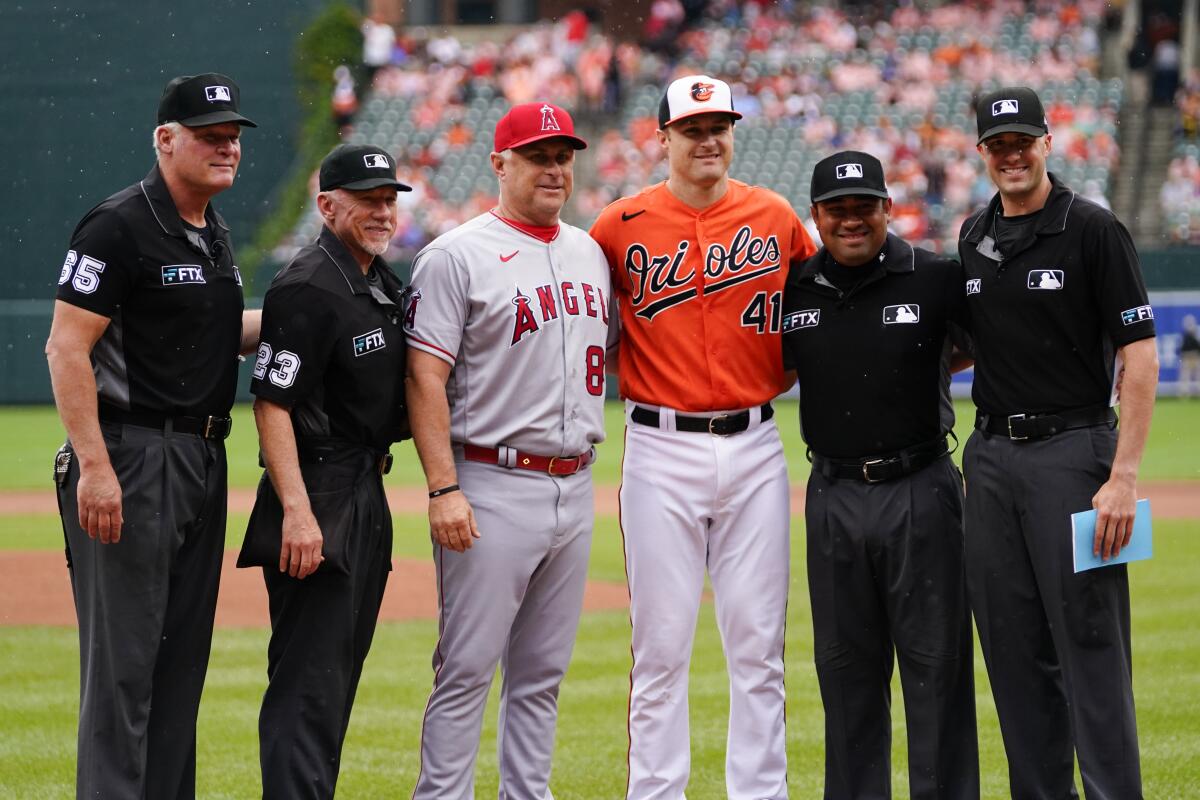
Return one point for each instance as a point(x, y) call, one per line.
point(532, 122)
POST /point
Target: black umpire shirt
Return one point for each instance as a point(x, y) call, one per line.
point(332, 348)
point(872, 357)
point(1051, 305)
point(174, 301)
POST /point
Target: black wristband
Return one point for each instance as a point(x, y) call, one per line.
point(454, 487)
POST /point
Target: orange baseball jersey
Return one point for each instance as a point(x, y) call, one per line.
point(701, 294)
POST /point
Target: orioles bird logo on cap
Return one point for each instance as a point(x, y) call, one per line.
point(702, 92)
point(549, 123)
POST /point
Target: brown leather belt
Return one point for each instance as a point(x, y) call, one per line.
point(551, 465)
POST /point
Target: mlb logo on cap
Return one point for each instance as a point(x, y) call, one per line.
point(376, 161)
point(1004, 107)
point(849, 171)
point(1012, 109)
point(217, 94)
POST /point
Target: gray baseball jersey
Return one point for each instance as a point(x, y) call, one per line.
point(510, 312)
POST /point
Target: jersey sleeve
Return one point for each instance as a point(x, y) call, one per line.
point(803, 247)
point(437, 310)
point(101, 266)
point(297, 340)
point(1125, 310)
point(601, 234)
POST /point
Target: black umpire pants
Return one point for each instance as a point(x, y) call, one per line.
point(1057, 644)
point(885, 576)
point(321, 631)
point(145, 606)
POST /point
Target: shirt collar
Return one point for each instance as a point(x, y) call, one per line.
point(351, 271)
point(1051, 220)
point(162, 206)
point(896, 254)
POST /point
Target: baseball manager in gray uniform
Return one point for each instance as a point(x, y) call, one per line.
point(507, 328)
point(148, 324)
point(1054, 295)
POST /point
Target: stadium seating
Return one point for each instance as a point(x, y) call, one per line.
point(809, 81)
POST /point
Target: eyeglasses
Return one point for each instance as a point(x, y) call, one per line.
point(1000, 147)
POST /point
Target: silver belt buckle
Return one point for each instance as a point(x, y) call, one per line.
point(711, 420)
point(866, 470)
point(1011, 435)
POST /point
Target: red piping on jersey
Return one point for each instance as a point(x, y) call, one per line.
point(544, 233)
point(448, 355)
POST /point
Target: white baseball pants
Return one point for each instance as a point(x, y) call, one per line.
point(692, 502)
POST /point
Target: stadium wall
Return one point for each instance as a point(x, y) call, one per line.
point(84, 77)
point(24, 325)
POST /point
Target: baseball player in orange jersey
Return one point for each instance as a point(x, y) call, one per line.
point(699, 264)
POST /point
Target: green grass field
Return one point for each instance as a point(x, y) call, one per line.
point(39, 666)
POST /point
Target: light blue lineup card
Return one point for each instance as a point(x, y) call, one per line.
point(1083, 531)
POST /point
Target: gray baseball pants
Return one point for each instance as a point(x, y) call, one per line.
point(1057, 644)
point(145, 606)
point(885, 576)
point(513, 598)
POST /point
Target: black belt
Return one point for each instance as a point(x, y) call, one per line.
point(882, 468)
point(1020, 427)
point(716, 424)
point(204, 427)
point(322, 449)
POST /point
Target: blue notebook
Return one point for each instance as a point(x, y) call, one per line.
point(1083, 532)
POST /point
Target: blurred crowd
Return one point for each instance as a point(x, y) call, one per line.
point(1180, 193)
point(789, 65)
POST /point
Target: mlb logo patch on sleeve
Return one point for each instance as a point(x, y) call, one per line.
point(1139, 314)
point(905, 314)
point(177, 274)
point(366, 342)
point(1045, 279)
point(809, 318)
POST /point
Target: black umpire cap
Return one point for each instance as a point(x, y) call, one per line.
point(1013, 109)
point(359, 167)
point(849, 172)
point(195, 100)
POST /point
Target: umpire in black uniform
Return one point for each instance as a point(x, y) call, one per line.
point(1055, 295)
point(148, 324)
point(867, 326)
point(329, 382)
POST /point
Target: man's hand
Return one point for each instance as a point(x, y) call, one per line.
point(452, 522)
point(300, 554)
point(1115, 505)
point(99, 496)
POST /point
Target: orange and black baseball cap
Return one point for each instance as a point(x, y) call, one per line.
point(196, 100)
point(531, 122)
point(692, 95)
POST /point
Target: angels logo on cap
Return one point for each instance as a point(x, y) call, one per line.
point(849, 171)
point(376, 160)
point(549, 123)
point(1004, 107)
point(217, 94)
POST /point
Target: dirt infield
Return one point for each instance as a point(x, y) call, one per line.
point(35, 590)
